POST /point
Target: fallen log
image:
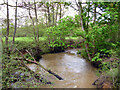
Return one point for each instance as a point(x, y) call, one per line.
point(49, 71)
point(36, 75)
point(37, 63)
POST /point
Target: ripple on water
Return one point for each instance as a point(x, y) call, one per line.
point(77, 72)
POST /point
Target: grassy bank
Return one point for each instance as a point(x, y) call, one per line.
point(29, 42)
point(30, 39)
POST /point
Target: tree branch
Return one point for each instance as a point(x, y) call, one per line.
point(74, 8)
point(35, 62)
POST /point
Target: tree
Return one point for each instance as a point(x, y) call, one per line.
point(83, 26)
point(95, 12)
point(53, 12)
point(56, 11)
point(60, 10)
point(88, 10)
point(36, 19)
point(7, 48)
point(15, 29)
point(119, 21)
point(32, 21)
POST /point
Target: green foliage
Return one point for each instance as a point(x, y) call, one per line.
point(84, 54)
point(110, 69)
point(96, 57)
point(25, 31)
point(57, 43)
point(101, 38)
point(79, 32)
point(56, 34)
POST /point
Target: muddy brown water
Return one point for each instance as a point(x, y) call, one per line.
point(76, 71)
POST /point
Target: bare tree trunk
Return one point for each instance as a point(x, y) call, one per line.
point(32, 22)
point(46, 17)
point(94, 13)
point(53, 14)
point(88, 13)
point(7, 48)
point(49, 19)
point(57, 12)
point(15, 23)
point(60, 11)
point(81, 16)
point(36, 21)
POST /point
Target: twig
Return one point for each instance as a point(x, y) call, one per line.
point(30, 55)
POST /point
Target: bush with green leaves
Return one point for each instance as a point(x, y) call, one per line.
point(101, 38)
point(56, 34)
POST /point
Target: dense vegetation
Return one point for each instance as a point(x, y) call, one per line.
point(98, 38)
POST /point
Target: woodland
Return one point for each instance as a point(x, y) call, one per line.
point(42, 29)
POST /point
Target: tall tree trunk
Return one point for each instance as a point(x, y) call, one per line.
point(7, 48)
point(49, 19)
point(81, 16)
point(46, 16)
point(53, 14)
point(119, 21)
point(60, 11)
point(88, 13)
point(94, 23)
point(15, 23)
point(32, 22)
point(119, 41)
point(36, 19)
point(56, 13)
point(94, 13)
point(83, 28)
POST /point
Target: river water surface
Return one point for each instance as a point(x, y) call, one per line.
point(76, 71)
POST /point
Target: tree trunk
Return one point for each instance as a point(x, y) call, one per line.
point(119, 21)
point(36, 19)
point(88, 13)
point(83, 28)
point(53, 14)
point(56, 13)
point(94, 13)
point(49, 19)
point(46, 17)
point(15, 23)
point(81, 16)
point(7, 48)
point(32, 22)
point(60, 11)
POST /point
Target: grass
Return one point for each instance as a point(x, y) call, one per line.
point(31, 39)
point(74, 38)
point(25, 39)
point(29, 42)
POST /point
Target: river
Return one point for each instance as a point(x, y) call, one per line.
point(76, 71)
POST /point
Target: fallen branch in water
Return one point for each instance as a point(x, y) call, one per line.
point(37, 63)
point(36, 75)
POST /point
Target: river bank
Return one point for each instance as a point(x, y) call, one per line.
point(76, 71)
